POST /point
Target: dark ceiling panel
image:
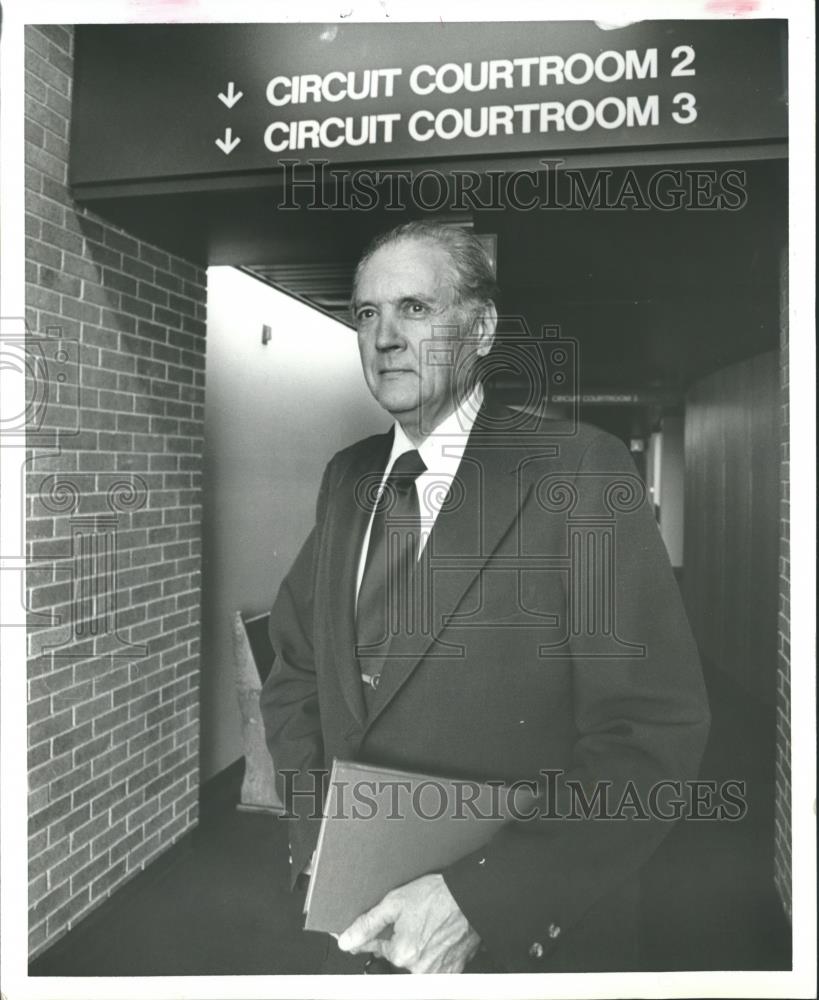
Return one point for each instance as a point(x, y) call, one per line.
point(653, 299)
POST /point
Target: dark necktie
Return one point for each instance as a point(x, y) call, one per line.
point(385, 598)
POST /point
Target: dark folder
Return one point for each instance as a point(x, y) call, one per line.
point(383, 827)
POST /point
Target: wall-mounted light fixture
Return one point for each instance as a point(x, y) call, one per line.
point(267, 334)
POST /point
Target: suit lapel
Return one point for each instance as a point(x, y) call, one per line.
point(350, 518)
point(481, 508)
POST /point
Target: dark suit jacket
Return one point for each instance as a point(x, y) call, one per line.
point(560, 642)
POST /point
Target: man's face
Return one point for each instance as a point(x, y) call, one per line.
point(405, 312)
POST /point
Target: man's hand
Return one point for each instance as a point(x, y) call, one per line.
point(430, 934)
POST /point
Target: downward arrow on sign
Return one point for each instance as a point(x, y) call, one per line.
point(231, 97)
point(228, 144)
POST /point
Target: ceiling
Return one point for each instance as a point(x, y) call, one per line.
point(323, 285)
point(653, 299)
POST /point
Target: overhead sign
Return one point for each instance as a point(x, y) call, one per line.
point(169, 101)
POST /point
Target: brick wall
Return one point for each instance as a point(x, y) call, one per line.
point(782, 844)
point(113, 521)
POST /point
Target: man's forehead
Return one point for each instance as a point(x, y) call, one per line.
point(406, 267)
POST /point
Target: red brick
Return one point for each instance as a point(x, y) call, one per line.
point(74, 695)
point(186, 801)
point(136, 307)
point(109, 798)
point(121, 241)
point(91, 790)
point(69, 823)
point(137, 781)
point(62, 238)
point(116, 873)
point(154, 256)
point(139, 269)
point(45, 208)
point(125, 846)
point(108, 837)
point(139, 816)
point(93, 708)
point(115, 319)
point(42, 862)
point(110, 719)
point(50, 727)
point(50, 902)
point(128, 730)
point(69, 912)
point(88, 830)
point(143, 852)
point(65, 869)
point(37, 936)
point(90, 872)
point(103, 255)
point(68, 782)
point(99, 286)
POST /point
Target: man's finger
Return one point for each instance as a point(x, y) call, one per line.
point(368, 926)
point(378, 947)
point(392, 950)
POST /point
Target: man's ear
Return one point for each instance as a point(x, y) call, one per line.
point(486, 323)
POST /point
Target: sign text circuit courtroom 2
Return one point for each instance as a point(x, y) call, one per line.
point(236, 98)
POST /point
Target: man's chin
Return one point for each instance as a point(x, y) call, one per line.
point(402, 413)
point(396, 403)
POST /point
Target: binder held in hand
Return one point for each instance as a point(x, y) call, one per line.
point(383, 827)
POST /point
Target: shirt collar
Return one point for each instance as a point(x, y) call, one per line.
point(443, 449)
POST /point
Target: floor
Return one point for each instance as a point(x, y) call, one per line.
point(724, 912)
point(218, 904)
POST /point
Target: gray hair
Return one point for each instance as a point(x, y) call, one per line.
point(474, 284)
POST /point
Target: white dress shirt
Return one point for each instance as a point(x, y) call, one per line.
point(441, 452)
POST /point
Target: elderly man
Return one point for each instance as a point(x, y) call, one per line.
point(557, 643)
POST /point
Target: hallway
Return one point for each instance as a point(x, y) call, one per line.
point(219, 905)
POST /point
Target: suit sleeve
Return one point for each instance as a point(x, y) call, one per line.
point(640, 720)
point(289, 698)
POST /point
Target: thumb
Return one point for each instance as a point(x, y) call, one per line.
point(368, 925)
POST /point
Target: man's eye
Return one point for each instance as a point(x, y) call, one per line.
point(364, 314)
point(416, 308)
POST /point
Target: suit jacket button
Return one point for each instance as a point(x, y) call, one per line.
point(553, 931)
point(536, 950)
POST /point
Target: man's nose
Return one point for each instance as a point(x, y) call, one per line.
point(388, 336)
